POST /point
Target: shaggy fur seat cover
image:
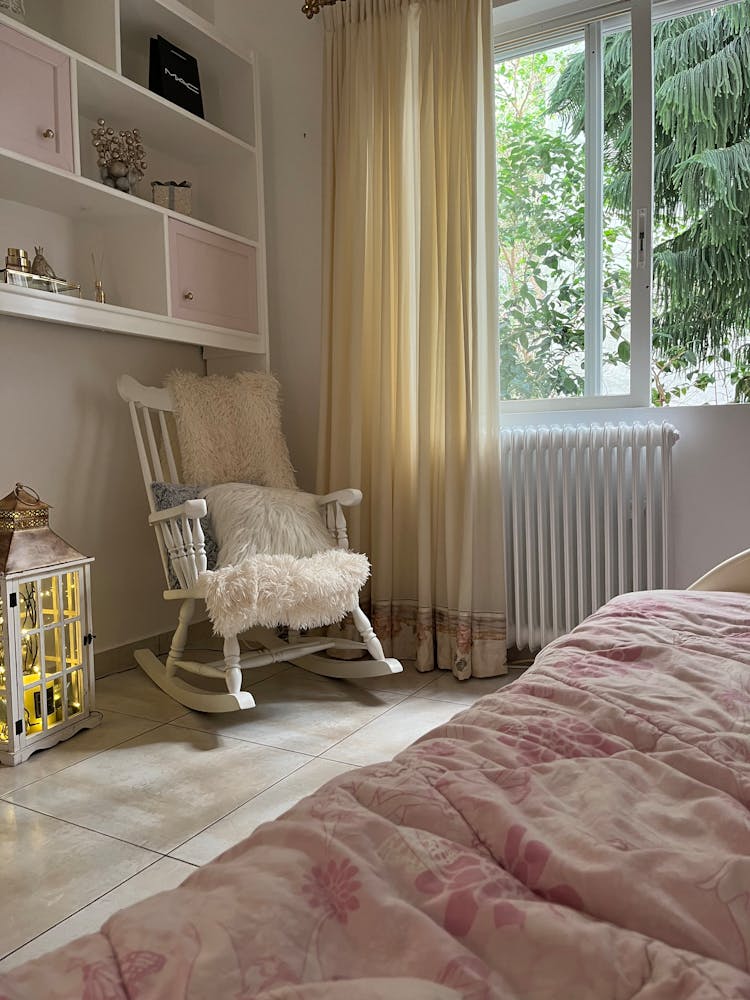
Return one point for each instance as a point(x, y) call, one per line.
point(278, 564)
point(270, 590)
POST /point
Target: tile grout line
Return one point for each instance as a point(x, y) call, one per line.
point(96, 753)
point(91, 902)
point(314, 757)
point(240, 806)
point(88, 829)
point(377, 718)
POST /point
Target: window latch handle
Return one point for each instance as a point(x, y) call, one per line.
point(641, 228)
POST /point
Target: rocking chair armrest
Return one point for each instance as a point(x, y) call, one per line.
point(347, 498)
point(191, 509)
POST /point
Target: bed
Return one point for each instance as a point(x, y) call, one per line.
point(583, 833)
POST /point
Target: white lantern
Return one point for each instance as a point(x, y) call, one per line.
point(46, 642)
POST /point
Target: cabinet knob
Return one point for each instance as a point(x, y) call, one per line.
point(189, 296)
point(48, 133)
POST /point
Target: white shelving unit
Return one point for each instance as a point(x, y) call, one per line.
point(74, 61)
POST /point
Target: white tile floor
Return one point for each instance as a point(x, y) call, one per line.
point(126, 810)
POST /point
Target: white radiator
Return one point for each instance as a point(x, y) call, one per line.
point(587, 516)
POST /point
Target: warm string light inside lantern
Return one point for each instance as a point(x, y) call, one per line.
point(46, 669)
point(42, 616)
point(3, 680)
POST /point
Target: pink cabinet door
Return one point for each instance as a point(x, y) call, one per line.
point(213, 278)
point(35, 106)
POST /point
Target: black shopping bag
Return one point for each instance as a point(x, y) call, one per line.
point(173, 74)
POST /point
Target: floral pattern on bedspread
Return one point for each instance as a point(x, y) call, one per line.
point(583, 833)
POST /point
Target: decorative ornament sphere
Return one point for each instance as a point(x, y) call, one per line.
point(123, 184)
point(100, 121)
point(118, 169)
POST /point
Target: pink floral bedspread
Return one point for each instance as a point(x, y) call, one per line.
point(583, 834)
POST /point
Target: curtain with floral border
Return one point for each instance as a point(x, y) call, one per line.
point(409, 404)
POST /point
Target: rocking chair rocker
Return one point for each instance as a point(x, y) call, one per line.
point(181, 546)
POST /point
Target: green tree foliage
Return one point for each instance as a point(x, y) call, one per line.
point(702, 188)
point(541, 181)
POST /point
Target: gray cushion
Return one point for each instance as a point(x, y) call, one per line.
point(168, 495)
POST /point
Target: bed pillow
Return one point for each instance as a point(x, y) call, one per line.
point(167, 495)
point(249, 520)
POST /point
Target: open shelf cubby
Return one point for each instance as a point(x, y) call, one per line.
point(88, 27)
point(92, 56)
point(226, 75)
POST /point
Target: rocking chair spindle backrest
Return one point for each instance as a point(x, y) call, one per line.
point(149, 407)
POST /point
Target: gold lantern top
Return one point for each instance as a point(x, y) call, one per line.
point(26, 540)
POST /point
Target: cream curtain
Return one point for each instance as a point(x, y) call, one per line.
point(409, 409)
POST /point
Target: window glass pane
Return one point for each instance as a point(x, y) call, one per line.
point(616, 217)
point(702, 207)
point(541, 188)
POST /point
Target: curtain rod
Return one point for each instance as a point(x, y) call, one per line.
point(312, 7)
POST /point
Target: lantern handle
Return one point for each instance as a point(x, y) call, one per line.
point(28, 489)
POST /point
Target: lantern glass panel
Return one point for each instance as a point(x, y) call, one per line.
point(3, 681)
point(50, 600)
point(75, 693)
point(28, 602)
point(58, 714)
point(30, 655)
point(53, 651)
point(73, 645)
point(71, 593)
point(34, 707)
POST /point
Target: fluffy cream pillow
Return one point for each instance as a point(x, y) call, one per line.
point(251, 520)
point(229, 429)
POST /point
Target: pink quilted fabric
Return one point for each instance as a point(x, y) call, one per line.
point(583, 834)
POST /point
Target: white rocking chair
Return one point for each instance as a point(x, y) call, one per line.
point(181, 546)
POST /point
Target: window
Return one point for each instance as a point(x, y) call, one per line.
point(579, 315)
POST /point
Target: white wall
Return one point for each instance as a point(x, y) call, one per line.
point(65, 432)
point(711, 478)
point(289, 50)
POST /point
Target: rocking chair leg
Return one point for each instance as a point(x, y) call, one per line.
point(197, 698)
point(180, 637)
point(365, 629)
point(232, 662)
point(377, 666)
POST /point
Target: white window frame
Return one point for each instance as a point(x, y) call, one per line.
point(595, 24)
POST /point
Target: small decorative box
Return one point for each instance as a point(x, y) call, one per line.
point(170, 194)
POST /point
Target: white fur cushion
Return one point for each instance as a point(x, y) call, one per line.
point(271, 590)
point(229, 429)
point(248, 520)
